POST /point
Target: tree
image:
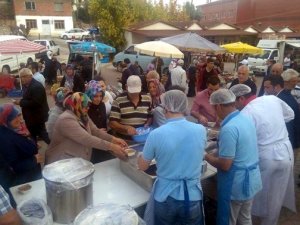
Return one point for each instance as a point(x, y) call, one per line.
point(192, 12)
point(114, 15)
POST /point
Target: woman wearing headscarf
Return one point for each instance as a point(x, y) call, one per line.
point(97, 113)
point(55, 111)
point(155, 90)
point(75, 134)
point(17, 149)
point(97, 110)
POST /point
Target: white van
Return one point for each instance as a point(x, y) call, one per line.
point(11, 62)
point(273, 49)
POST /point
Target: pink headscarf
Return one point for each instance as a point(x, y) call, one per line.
point(8, 112)
point(159, 90)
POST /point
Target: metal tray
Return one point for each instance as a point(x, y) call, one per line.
point(140, 177)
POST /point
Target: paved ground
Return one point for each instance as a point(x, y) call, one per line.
point(110, 74)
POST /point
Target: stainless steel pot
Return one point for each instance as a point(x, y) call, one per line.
point(69, 189)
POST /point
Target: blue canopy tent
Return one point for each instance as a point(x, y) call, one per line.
point(92, 47)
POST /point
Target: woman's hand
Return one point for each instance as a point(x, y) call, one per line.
point(39, 158)
point(118, 151)
point(120, 142)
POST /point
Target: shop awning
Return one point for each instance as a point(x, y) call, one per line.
point(20, 46)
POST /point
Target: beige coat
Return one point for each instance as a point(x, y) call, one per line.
point(69, 139)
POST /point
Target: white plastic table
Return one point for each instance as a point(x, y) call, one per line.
point(110, 186)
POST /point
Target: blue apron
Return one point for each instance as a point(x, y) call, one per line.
point(149, 212)
point(225, 182)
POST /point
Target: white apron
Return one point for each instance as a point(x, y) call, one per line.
point(276, 164)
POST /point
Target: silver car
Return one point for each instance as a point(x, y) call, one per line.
point(50, 45)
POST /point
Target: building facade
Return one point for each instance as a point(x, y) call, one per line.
point(44, 17)
point(259, 13)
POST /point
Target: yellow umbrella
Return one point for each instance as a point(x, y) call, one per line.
point(239, 47)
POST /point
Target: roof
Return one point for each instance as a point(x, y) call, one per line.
point(167, 33)
point(158, 28)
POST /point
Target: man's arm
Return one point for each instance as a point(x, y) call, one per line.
point(288, 112)
point(10, 218)
point(8, 215)
point(219, 163)
point(142, 163)
point(120, 128)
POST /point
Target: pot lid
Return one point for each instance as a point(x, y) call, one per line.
point(68, 170)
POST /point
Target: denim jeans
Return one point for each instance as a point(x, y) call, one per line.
point(172, 212)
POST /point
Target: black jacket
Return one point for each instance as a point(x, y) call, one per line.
point(78, 83)
point(97, 113)
point(34, 104)
point(293, 126)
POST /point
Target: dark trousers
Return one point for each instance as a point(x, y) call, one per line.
point(172, 212)
point(39, 130)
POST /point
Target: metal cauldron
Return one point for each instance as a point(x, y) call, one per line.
point(69, 188)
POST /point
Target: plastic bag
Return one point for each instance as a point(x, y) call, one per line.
point(68, 174)
point(35, 212)
point(111, 214)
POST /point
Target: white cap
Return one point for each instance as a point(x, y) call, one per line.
point(180, 62)
point(134, 84)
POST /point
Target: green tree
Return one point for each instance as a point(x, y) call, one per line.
point(114, 15)
point(191, 11)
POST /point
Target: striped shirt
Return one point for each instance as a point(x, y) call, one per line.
point(5, 206)
point(124, 111)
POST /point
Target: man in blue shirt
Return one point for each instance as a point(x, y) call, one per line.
point(177, 147)
point(239, 176)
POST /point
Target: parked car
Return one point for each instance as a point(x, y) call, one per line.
point(133, 56)
point(50, 45)
point(76, 33)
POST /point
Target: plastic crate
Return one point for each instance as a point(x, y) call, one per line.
point(15, 93)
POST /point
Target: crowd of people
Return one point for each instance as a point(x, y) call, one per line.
point(255, 156)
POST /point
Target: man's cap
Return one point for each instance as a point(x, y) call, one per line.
point(134, 84)
point(180, 62)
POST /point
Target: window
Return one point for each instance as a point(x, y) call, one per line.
point(30, 5)
point(130, 50)
point(31, 24)
point(58, 7)
point(59, 24)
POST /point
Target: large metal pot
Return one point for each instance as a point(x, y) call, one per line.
point(69, 188)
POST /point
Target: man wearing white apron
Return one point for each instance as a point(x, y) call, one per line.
point(178, 148)
point(239, 176)
point(276, 157)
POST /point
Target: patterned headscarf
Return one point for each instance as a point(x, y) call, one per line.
point(8, 112)
point(159, 90)
point(93, 88)
point(60, 95)
point(76, 102)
